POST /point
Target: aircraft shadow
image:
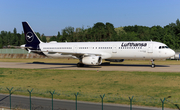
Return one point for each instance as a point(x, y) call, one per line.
point(53, 63)
point(134, 65)
point(103, 64)
point(68, 65)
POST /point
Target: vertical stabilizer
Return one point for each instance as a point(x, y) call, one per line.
point(31, 38)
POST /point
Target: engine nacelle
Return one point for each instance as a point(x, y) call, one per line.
point(92, 60)
point(115, 60)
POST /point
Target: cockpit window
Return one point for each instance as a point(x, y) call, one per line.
point(163, 47)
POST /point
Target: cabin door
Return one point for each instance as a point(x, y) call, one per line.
point(150, 48)
point(114, 49)
point(75, 48)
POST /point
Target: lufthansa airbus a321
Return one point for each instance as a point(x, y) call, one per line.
point(92, 53)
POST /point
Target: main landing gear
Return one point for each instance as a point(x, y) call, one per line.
point(80, 65)
point(153, 65)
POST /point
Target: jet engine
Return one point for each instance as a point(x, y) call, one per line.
point(115, 60)
point(92, 60)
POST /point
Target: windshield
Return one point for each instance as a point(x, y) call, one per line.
point(163, 47)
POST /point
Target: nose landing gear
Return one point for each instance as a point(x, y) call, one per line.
point(153, 65)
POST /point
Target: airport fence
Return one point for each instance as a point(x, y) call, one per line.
point(13, 51)
point(18, 53)
point(107, 98)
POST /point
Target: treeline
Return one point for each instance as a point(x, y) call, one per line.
point(15, 39)
point(169, 34)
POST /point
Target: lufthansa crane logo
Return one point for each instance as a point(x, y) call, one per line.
point(29, 36)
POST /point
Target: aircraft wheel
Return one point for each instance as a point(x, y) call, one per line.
point(80, 65)
point(153, 65)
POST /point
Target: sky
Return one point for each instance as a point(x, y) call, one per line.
point(50, 16)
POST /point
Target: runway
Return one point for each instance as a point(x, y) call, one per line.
point(103, 67)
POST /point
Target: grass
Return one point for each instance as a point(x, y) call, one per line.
point(146, 87)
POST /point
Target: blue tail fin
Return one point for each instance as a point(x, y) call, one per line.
point(31, 38)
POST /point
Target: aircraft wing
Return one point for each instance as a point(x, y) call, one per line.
point(76, 54)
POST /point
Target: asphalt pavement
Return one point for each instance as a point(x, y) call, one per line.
point(103, 67)
point(18, 101)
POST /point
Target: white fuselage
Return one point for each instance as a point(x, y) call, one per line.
point(109, 50)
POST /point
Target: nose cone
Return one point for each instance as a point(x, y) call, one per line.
point(171, 53)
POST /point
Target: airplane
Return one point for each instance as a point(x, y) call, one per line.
point(92, 53)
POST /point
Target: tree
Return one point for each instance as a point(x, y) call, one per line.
point(169, 34)
point(38, 35)
point(177, 27)
point(68, 34)
point(61, 38)
point(4, 38)
point(119, 30)
point(43, 38)
point(89, 35)
point(110, 32)
point(53, 38)
point(1, 41)
point(22, 41)
point(14, 39)
point(99, 30)
point(18, 39)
